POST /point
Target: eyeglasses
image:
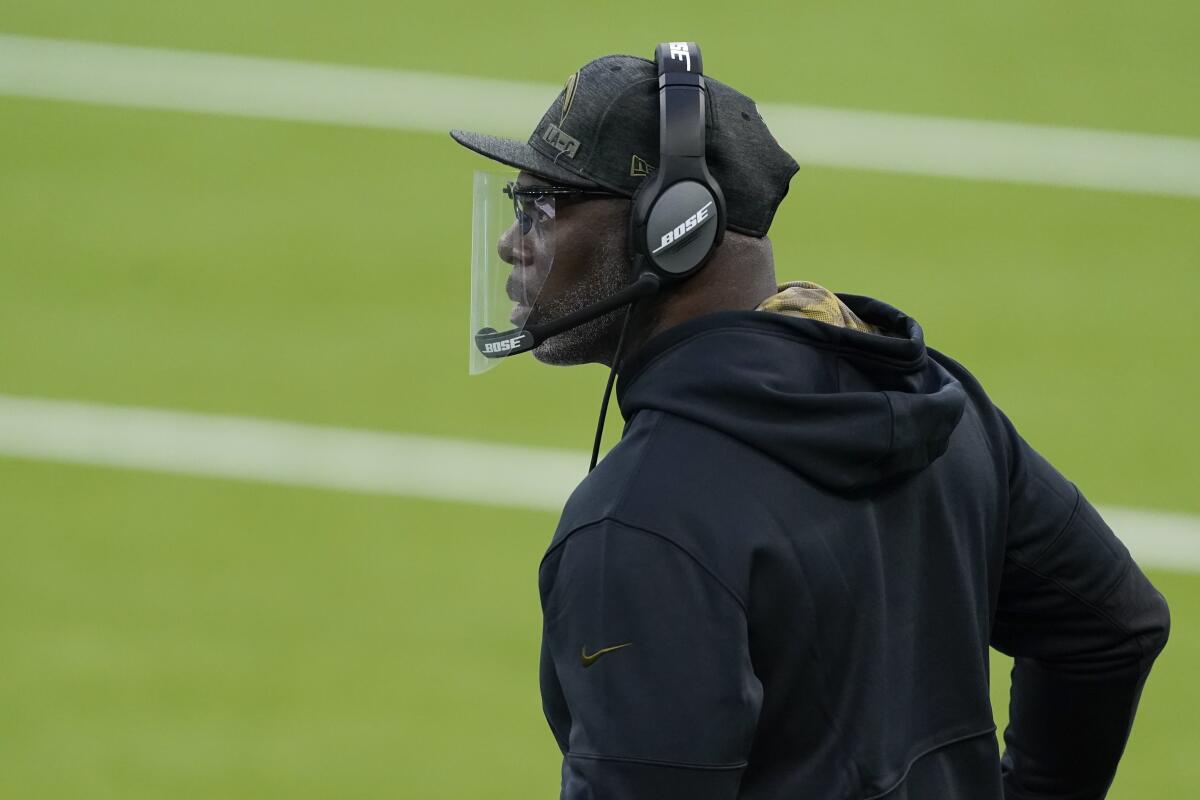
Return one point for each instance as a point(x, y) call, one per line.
point(529, 202)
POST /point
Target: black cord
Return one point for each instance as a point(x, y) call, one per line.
point(612, 374)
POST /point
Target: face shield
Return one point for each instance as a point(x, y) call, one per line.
point(512, 255)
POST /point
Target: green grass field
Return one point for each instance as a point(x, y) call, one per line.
point(163, 636)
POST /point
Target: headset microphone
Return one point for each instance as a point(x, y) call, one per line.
point(498, 344)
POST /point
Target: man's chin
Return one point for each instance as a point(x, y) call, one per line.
point(547, 353)
point(587, 344)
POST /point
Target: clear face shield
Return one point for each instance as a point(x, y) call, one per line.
point(512, 255)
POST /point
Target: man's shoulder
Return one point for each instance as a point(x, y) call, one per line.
point(606, 492)
point(634, 502)
point(670, 477)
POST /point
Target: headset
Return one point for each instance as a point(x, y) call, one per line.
point(677, 215)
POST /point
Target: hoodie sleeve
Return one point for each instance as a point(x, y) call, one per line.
point(1083, 625)
point(646, 674)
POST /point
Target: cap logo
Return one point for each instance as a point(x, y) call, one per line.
point(561, 141)
point(568, 97)
point(638, 166)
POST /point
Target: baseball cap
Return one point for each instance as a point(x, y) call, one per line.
point(602, 131)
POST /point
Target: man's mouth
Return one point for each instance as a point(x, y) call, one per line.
point(518, 292)
point(514, 288)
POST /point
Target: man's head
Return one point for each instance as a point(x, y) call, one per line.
point(602, 133)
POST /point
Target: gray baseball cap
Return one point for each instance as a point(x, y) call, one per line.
point(602, 132)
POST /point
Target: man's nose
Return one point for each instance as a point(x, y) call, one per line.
point(505, 245)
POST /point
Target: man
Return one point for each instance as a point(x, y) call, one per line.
point(784, 580)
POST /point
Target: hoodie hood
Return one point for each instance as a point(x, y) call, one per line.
point(846, 408)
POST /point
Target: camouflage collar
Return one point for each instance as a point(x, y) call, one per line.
point(812, 301)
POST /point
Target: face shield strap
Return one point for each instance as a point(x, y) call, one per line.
point(501, 344)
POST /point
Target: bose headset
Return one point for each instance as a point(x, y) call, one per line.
point(677, 213)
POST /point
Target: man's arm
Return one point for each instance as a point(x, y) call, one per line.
point(1083, 625)
point(646, 673)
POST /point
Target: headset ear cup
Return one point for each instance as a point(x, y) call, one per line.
point(681, 228)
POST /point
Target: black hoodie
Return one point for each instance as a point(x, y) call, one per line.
point(783, 582)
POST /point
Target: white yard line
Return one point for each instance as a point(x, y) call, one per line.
point(419, 101)
point(386, 463)
point(287, 453)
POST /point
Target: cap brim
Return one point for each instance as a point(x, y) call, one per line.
point(519, 155)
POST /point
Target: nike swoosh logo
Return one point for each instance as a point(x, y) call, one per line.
point(587, 660)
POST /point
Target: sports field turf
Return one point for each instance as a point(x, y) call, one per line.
point(164, 636)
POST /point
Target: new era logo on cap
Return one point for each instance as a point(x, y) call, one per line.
point(638, 166)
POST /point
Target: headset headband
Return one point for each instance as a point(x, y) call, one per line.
point(681, 100)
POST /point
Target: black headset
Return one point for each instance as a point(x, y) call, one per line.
point(677, 214)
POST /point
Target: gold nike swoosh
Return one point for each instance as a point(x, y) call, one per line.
point(587, 660)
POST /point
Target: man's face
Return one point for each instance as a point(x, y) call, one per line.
point(586, 246)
